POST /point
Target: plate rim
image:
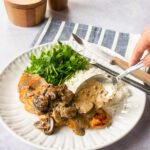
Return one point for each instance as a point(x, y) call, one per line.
point(44, 148)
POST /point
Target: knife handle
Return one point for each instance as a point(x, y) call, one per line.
point(139, 74)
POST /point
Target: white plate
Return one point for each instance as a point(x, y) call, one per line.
point(20, 123)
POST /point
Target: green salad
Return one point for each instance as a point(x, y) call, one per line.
point(57, 64)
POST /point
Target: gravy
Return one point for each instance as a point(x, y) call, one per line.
point(91, 94)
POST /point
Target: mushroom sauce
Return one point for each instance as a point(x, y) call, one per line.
point(90, 95)
point(58, 106)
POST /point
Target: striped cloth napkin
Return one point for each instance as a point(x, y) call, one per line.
point(53, 30)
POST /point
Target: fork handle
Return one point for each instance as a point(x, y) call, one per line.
point(139, 74)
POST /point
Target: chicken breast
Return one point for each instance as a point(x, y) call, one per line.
point(29, 87)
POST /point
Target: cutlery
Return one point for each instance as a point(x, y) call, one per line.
point(139, 74)
point(130, 70)
point(117, 60)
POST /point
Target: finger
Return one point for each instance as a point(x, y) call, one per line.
point(147, 61)
point(138, 51)
point(148, 49)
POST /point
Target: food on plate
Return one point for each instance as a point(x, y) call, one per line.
point(58, 64)
point(40, 97)
point(100, 120)
point(29, 88)
point(91, 94)
point(48, 89)
point(56, 106)
point(45, 124)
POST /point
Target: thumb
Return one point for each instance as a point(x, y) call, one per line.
point(147, 60)
point(138, 51)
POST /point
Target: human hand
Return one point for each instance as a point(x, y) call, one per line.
point(142, 45)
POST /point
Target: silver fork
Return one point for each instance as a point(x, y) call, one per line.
point(129, 70)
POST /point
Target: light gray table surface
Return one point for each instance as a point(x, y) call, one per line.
point(126, 16)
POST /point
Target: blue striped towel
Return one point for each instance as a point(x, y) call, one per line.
point(53, 30)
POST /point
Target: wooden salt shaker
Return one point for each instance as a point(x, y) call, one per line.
point(26, 13)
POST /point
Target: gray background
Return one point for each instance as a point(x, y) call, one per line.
point(126, 16)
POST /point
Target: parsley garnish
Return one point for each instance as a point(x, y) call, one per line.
point(58, 64)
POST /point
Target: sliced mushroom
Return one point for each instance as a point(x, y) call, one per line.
point(50, 129)
point(46, 125)
point(67, 96)
point(51, 95)
point(68, 112)
point(41, 103)
point(57, 117)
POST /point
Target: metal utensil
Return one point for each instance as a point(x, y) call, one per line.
point(124, 73)
point(139, 74)
point(131, 69)
point(114, 74)
point(128, 71)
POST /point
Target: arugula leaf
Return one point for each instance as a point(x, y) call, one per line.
point(58, 64)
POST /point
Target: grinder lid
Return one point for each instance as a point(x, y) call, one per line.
point(25, 4)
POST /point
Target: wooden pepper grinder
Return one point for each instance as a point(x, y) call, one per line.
point(58, 4)
point(26, 13)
